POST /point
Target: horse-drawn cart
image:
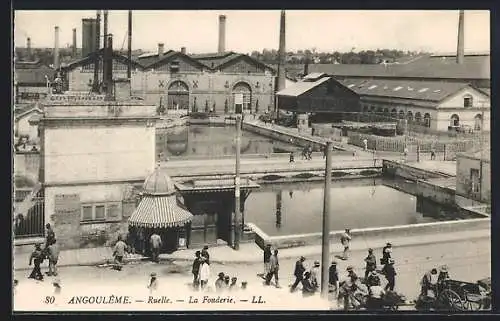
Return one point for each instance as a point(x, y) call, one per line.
point(453, 295)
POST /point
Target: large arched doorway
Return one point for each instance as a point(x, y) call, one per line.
point(242, 98)
point(394, 114)
point(401, 114)
point(178, 96)
point(409, 116)
point(478, 122)
point(454, 120)
point(427, 120)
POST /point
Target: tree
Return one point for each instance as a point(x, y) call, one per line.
point(226, 107)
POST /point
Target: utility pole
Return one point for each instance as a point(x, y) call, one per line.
point(237, 227)
point(325, 251)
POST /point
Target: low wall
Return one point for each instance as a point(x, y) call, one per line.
point(297, 240)
point(277, 134)
point(394, 169)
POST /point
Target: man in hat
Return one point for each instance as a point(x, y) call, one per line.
point(244, 285)
point(308, 288)
point(53, 256)
point(347, 286)
point(153, 282)
point(429, 282)
point(372, 278)
point(390, 275)
point(371, 263)
point(204, 253)
point(333, 277)
point(50, 236)
point(37, 257)
point(234, 283)
point(386, 253)
point(375, 294)
point(442, 277)
point(155, 243)
point(196, 269)
point(267, 258)
point(219, 283)
point(315, 274)
point(119, 251)
point(227, 281)
point(298, 273)
point(345, 239)
point(273, 270)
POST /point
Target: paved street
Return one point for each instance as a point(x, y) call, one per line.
point(467, 260)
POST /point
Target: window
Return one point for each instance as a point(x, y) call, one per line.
point(474, 180)
point(101, 212)
point(468, 101)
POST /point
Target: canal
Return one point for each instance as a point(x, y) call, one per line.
point(297, 208)
point(213, 141)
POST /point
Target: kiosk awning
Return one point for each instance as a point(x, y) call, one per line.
point(159, 212)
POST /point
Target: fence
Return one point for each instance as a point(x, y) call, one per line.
point(31, 223)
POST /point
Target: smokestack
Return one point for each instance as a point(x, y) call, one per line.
point(105, 42)
point(460, 43)
point(183, 50)
point(98, 47)
point(161, 48)
point(222, 34)
point(306, 65)
point(129, 49)
point(108, 63)
point(56, 47)
point(74, 43)
point(28, 46)
point(282, 53)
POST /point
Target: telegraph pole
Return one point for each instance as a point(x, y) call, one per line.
point(237, 227)
point(325, 251)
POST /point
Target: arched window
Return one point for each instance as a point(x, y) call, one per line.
point(394, 114)
point(478, 122)
point(454, 120)
point(401, 114)
point(409, 116)
point(427, 120)
point(468, 101)
point(418, 118)
point(242, 91)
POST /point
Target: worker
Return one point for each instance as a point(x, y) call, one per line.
point(390, 275)
point(429, 282)
point(371, 263)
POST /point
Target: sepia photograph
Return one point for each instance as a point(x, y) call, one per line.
point(251, 160)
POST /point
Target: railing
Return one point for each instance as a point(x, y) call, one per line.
point(30, 224)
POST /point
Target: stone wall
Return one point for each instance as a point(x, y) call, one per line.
point(396, 169)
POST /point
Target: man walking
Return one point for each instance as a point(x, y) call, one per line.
point(51, 236)
point(37, 256)
point(267, 258)
point(371, 263)
point(119, 252)
point(333, 277)
point(386, 253)
point(345, 239)
point(196, 269)
point(53, 256)
point(156, 243)
point(390, 274)
point(273, 270)
point(298, 273)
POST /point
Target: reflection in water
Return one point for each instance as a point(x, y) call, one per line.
point(202, 140)
point(351, 207)
point(278, 209)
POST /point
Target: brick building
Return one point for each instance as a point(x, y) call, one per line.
point(176, 80)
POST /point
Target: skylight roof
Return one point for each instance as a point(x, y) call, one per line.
point(372, 87)
point(423, 90)
point(351, 85)
point(398, 88)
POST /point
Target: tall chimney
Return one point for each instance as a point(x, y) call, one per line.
point(161, 48)
point(105, 42)
point(56, 47)
point(108, 63)
point(183, 50)
point(98, 47)
point(222, 34)
point(28, 46)
point(282, 54)
point(129, 48)
point(460, 42)
point(74, 44)
point(306, 65)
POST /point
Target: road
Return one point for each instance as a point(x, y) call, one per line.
point(467, 261)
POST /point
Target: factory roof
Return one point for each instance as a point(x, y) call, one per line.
point(218, 61)
point(92, 56)
point(34, 75)
point(405, 89)
point(302, 87)
point(153, 60)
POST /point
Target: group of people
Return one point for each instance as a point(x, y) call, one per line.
point(271, 266)
point(310, 280)
point(432, 282)
point(201, 274)
point(50, 251)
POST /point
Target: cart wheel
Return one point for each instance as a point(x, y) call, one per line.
point(450, 300)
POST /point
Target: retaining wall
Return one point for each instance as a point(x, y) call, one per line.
point(297, 240)
point(392, 168)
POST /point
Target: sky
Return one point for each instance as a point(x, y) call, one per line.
point(323, 30)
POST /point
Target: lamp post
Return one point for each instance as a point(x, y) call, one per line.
point(237, 227)
point(325, 250)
